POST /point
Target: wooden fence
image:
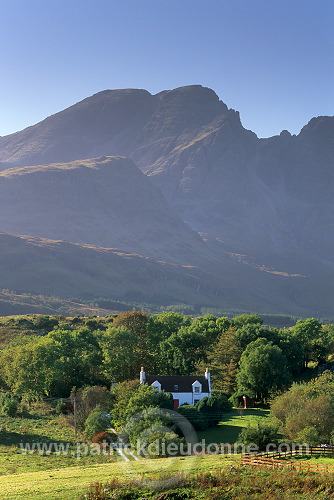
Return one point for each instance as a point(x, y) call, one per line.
point(298, 451)
point(261, 461)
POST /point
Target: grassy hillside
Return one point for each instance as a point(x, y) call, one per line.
point(39, 266)
point(61, 269)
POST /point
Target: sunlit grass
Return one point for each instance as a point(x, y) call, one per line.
point(69, 482)
point(231, 425)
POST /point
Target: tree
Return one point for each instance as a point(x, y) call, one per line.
point(30, 368)
point(181, 352)
point(223, 359)
point(151, 432)
point(79, 359)
point(8, 404)
point(309, 332)
point(263, 368)
point(246, 319)
point(121, 360)
point(213, 408)
point(136, 323)
point(161, 326)
point(53, 364)
point(293, 349)
point(132, 398)
point(85, 399)
point(307, 409)
point(207, 327)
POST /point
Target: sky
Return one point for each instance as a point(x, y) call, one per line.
point(272, 60)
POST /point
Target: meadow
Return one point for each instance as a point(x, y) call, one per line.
point(58, 476)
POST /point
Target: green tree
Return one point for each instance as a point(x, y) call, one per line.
point(207, 327)
point(53, 364)
point(213, 408)
point(263, 368)
point(150, 427)
point(293, 349)
point(30, 368)
point(86, 399)
point(121, 360)
point(79, 359)
point(246, 319)
point(136, 322)
point(161, 326)
point(131, 398)
point(309, 332)
point(182, 352)
point(9, 405)
point(223, 359)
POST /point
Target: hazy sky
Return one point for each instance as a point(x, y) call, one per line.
point(272, 60)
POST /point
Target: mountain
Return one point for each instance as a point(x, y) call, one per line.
point(105, 201)
point(250, 193)
point(257, 213)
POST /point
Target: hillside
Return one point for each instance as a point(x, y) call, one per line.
point(104, 201)
point(62, 269)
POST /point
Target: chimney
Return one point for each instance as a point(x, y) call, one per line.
point(207, 376)
point(142, 377)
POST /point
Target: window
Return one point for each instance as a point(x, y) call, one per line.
point(176, 387)
point(197, 389)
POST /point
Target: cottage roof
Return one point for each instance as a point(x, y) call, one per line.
point(184, 382)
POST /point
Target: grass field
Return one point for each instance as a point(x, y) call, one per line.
point(68, 482)
point(317, 459)
point(229, 428)
point(40, 426)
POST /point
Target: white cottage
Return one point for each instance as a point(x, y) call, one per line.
point(184, 389)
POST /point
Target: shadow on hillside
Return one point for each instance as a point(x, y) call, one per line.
point(221, 434)
point(15, 438)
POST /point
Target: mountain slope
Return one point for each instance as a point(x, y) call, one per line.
point(264, 207)
point(104, 201)
point(50, 267)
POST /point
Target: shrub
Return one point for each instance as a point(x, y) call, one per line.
point(195, 417)
point(102, 438)
point(61, 407)
point(309, 435)
point(261, 435)
point(213, 408)
point(9, 405)
point(96, 422)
